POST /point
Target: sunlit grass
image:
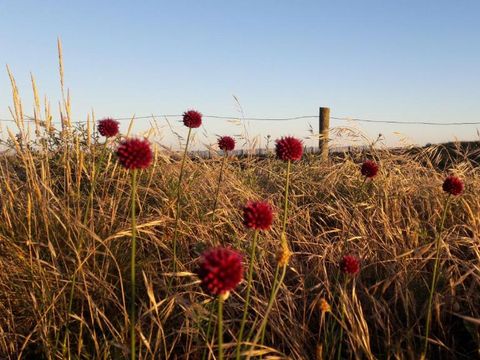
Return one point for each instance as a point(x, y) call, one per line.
point(394, 224)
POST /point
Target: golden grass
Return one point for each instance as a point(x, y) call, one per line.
point(45, 240)
point(48, 235)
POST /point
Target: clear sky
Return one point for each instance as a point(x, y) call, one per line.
point(383, 60)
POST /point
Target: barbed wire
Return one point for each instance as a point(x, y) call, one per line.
point(409, 122)
point(301, 117)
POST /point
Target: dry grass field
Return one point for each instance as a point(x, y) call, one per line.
point(65, 242)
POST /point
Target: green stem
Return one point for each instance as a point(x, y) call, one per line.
point(247, 298)
point(345, 246)
point(218, 186)
point(434, 278)
point(179, 195)
point(285, 205)
point(80, 245)
point(275, 277)
point(103, 154)
point(278, 283)
point(209, 329)
point(220, 327)
point(262, 336)
point(269, 309)
point(95, 170)
point(342, 318)
point(69, 310)
point(132, 267)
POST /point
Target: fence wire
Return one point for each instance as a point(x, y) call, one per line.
point(301, 117)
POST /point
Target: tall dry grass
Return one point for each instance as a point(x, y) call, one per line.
point(49, 236)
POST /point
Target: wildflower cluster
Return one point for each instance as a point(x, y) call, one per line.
point(220, 269)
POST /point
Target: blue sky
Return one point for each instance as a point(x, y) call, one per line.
point(384, 60)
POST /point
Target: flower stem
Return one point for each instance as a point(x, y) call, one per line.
point(269, 309)
point(217, 192)
point(345, 246)
point(220, 327)
point(342, 318)
point(277, 283)
point(434, 278)
point(179, 196)
point(247, 298)
point(132, 267)
point(95, 170)
point(285, 205)
point(209, 329)
point(80, 243)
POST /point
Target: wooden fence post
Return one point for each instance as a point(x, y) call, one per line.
point(324, 123)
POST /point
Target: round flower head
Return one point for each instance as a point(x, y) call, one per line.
point(289, 148)
point(226, 143)
point(135, 154)
point(350, 264)
point(220, 270)
point(453, 185)
point(192, 119)
point(257, 215)
point(108, 127)
point(369, 168)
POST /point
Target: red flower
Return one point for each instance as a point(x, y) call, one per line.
point(369, 168)
point(135, 154)
point(289, 148)
point(453, 185)
point(108, 127)
point(350, 264)
point(192, 119)
point(220, 270)
point(257, 215)
point(226, 143)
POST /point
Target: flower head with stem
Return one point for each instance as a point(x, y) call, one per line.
point(453, 186)
point(257, 215)
point(349, 264)
point(109, 128)
point(134, 154)
point(220, 271)
point(287, 149)
point(226, 144)
point(191, 119)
